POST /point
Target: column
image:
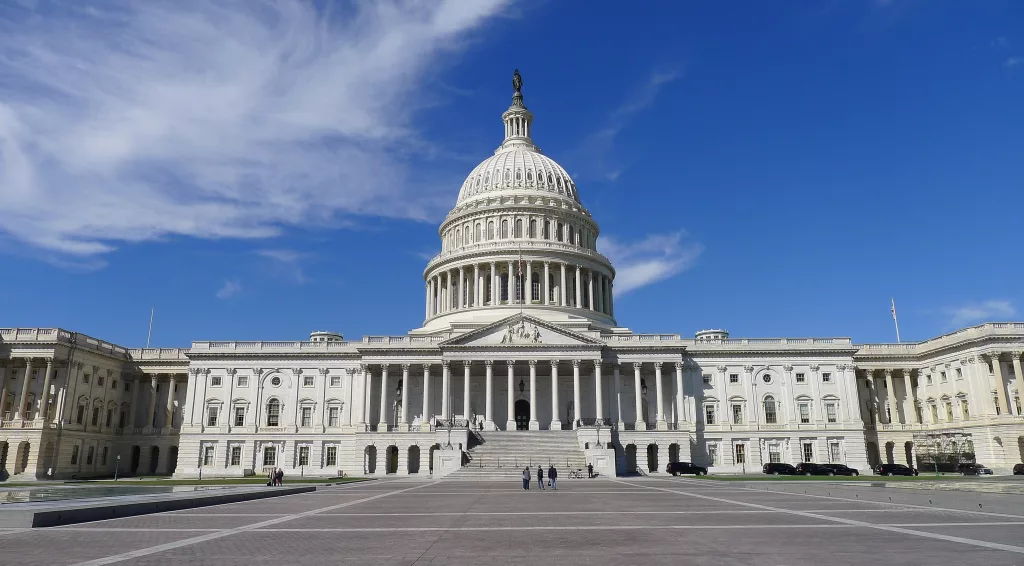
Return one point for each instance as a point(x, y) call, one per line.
point(680, 410)
point(611, 298)
point(44, 405)
point(476, 285)
point(617, 383)
point(529, 283)
point(133, 415)
point(489, 407)
point(364, 370)
point(19, 410)
point(556, 423)
point(546, 287)
point(890, 397)
point(909, 404)
point(511, 284)
point(3, 387)
point(598, 392)
point(600, 292)
point(997, 369)
point(425, 423)
point(662, 425)
point(169, 423)
point(579, 288)
point(152, 400)
point(562, 291)
point(382, 418)
point(576, 392)
point(427, 306)
point(640, 425)
point(462, 288)
point(446, 379)
point(590, 291)
point(852, 393)
point(534, 425)
point(494, 283)
point(465, 390)
point(1020, 377)
point(403, 415)
point(510, 414)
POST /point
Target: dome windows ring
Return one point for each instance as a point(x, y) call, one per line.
point(519, 175)
point(508, 175)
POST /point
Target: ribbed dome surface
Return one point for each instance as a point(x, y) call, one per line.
point(518, 168)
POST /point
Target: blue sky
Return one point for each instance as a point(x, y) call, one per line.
point(260, 170)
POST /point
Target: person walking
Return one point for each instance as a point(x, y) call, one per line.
point(526, 478)
point(553, 477)
point(540, 476)
point(280, 476)
point(590, 470)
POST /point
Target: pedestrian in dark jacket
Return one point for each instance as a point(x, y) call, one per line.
point(590, 470)
point(540, 477)
point(553, 477)
point(280, 477)
point(526, 477)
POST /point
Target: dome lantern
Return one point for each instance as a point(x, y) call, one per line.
point(517, 118)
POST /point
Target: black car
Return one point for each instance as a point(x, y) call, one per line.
point(841, 470)
point(811, 469)
point(676, 468)
point(973, 470)
point(894, 470)
point(779, 469)
point(1018, 469)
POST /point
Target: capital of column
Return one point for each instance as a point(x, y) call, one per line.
point(296, 371)
point(364, 368)
point(230, 372)
point(488, 363)
point(887, 372)
point(993, 356)
point(657, 365)
point(426, 369)
point(350, 371)
point(510, 363)
point(405, 368)
point(637, 365)
point(839, 367)
point(721, 369)
point(323, 371)
point(257, 372)
point(748, 369)
point(1016, 354)
point(533, 364)
point(679, 366)
point(576, 364)
point(445, 364)
point(554, 365)
point(970, 359)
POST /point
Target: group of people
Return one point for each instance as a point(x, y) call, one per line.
point(552, 477)
point(275, 477)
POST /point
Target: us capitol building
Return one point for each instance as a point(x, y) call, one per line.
point(519, 361)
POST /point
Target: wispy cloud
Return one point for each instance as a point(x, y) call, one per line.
point(132, 121)
point(288, 262)
point(1000, 41)
point(986, 311)
point(655, 258)
point(230, 288)
point(1014, 61)
point(597, 147)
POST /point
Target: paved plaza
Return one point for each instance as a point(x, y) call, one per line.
point(628, 521)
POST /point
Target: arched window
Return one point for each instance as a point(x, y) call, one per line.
point(467, 232)
point(519, 228)
point(503, 292)
point(533, 228)
point(572, 235)
point(547, 229)
point(529, 176)
point(558, 235)
point(769, 410)
point(487, 177)
point(458, 237)
point(479, 232)
point(273, 412)
point(504, 229)
point(490, 230)
point(535, 286)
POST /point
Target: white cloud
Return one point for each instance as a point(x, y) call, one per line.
point(655, 258)
point(287, 261)
point(133, 121)
point(987, 311)
point(1014, 61)
point(1000, 41)
point(231, 288)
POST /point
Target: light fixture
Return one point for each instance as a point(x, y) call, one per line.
point(522, 385)
point(643, 386)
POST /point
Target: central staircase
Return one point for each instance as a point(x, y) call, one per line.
point(502, 455)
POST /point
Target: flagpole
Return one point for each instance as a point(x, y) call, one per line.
point(149, 334)
point(895, 321)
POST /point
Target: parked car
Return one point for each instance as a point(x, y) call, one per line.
point(1018, 469)
point(895, 470)
point(811, 469)
point(779, 469)
point(841, 470)
point(973, 470)
point(676, 468)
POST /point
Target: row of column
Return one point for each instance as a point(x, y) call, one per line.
point(446, 372)
point(20, 408)
point(478, 285)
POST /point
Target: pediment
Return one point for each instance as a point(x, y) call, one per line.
point(521, 331)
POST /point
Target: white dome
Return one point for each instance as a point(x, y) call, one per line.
point(518, 169)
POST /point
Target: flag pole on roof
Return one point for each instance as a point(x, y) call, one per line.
point(149, 334)
point(895, 321)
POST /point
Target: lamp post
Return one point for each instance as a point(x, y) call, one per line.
point(117, 464)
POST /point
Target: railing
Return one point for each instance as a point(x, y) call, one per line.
point(593, 422)
point(648, 338)
point(450, 423)
point(295, 346)
point(159, 353)
point(60, 335)
point(513, 246)
point(775, 342)
point(398, 340)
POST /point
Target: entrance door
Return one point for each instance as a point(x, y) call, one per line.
point(522, 414)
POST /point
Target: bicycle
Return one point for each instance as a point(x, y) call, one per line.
point(576, 474)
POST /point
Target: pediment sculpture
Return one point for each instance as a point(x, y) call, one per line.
point(520, 334)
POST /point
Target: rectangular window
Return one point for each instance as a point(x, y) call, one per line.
point(734, 378)
point(942, 376)
point(808, 452)
point(113, 385)
point(928, 379)
point(303, 455)
point(99, 381)
point(774, 455)
point(85, 378)
point(211, 416)
point(830, 412)
point(80, 417)
point(833, 452)
point(737, 413)
point(307, 381)
point(963, 408)
point(741, 454)
point(949, 411)
point(269, 456)
point(239, 416)
point(920, 417)
point(242, 381)
point(273, 413)
point(74, 454)
point(110, 417)
point(307, 416)
point(122, 419)
point(709, 414)
point(335, 381)
point(935, 414)
point(707, 379)
point(332, 456)
point(769, 412)
point(90, 454)
point(332, 416)
point(208, 455)
point(826, 378)
point(805, 412)
point(95, 416)
point(712, 454)
point(800, 378)
point(127, 387)
point(215, 381)
point(236, 455)
point(103, 455)
point(959, 373)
